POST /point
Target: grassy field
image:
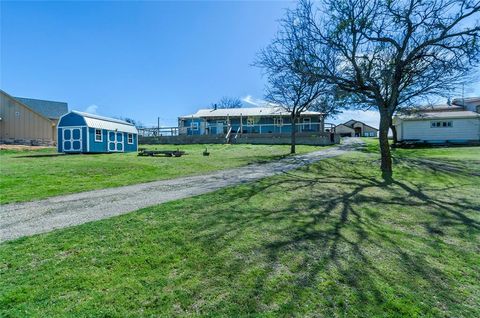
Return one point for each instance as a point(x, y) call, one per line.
point(330, 240)
point(27, 175)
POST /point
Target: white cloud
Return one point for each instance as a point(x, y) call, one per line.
point(369, 117)
point(249, 99)
point(92, 109)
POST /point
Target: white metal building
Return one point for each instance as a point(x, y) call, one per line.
point(458, 122)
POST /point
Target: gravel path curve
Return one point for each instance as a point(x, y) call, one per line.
point(29, 218)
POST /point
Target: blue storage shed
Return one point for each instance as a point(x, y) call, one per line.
point(88, 133)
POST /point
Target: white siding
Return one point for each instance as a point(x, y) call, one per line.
point(461, 130)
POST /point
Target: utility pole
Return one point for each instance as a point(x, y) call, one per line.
point(158, 126)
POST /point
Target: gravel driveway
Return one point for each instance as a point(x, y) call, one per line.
point(24, 219)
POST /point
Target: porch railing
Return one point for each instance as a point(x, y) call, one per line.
point(222, 129)
point(158, 131)
point(236, 129)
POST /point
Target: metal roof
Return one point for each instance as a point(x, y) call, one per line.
point(440, 115)
point(251, 111)
point(107, 123)
point(440, 107)
point(352, 122)
point(466, 100)
point(47, 108)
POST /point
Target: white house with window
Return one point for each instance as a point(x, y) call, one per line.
point(456, 122)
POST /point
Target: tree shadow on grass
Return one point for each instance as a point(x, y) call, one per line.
point(340, 241)
point(41, 155)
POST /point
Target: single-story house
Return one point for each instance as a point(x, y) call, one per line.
point(355, 128)
point(88, 133)
point(254, 120)
point(29, 121)
point(458, 122)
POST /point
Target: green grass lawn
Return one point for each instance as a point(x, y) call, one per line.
point(329, 240)
point(26, 176)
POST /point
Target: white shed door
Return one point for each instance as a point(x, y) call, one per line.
point(72, 139)
point(115, 141)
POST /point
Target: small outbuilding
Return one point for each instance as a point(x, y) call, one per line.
point(80, 132)
point(355, 128)
point(455, 122)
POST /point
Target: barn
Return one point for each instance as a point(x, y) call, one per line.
point(29, 121)
point(80, 132)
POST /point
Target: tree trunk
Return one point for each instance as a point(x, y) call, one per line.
point(293, 134)
point(394, 133)
point(386, 157)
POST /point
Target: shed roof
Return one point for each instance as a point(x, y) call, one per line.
point(440, 115)
point(248, 111)
point(100, 122)
point(47, 108)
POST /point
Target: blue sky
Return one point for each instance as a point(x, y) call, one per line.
point(138, 59)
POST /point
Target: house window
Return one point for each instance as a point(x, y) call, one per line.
point(278, 122)
point(194, 126)
point(307, 124)
point(98, 135)
point(130, 138)
point(250, 121)
point(441, 124)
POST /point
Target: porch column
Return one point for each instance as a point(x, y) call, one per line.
point(241, 124)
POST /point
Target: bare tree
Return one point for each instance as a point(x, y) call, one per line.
point(228, 102)
point(132, 121)
point(390, 54)
point(290, 87)
point(331, 103)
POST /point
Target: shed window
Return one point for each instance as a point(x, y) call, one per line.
point(130, 138)
point(441, 124)
point(98, 135)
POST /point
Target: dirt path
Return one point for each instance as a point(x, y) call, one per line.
point(29, 218)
